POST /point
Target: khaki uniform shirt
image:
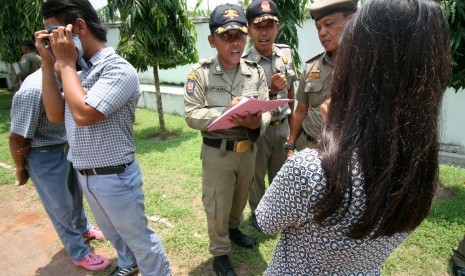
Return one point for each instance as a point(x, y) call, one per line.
point(314, 89)
point(281, 60)
point(208, 94)
point(28, 64)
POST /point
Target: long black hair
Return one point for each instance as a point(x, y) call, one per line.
point(393, 65)
point(68, 11)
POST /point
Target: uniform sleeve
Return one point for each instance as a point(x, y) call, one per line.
point(294, 191)
point(196, 113)
point(253, 135)
point(25, 113)
point(117, 84)
point(24, 67)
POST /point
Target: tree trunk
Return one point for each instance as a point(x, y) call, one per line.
point(12, 75)
point(161, 118)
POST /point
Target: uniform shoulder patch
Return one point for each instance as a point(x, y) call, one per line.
point(315, 57)
point(190, 86)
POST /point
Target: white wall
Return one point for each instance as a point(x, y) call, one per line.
point(309, 45)
point(453, 119)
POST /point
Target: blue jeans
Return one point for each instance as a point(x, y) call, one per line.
point(117, 202)
point(61, 196)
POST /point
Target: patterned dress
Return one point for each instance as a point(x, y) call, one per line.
point(306, 248)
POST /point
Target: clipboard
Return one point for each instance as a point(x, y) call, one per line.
point(250, 105)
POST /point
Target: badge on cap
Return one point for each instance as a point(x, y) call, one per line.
point(266, 6)
point(314, 74)
point(190, 85)
point(285, 60)
point(231, 13)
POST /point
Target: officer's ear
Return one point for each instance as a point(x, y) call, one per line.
point(277, 26)
point(211, 40)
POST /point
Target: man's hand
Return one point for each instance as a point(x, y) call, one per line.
point(43, 48)
point(249, 121)
point(289, 153)
point(324, 109)
point(23, 151)
point(64, 49)
point(21, 175)
point(278, 82)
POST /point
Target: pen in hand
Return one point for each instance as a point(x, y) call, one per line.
point(232, 95)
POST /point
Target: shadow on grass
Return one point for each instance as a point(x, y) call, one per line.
point(450, 209)
point(146, 144)
point(246, 262)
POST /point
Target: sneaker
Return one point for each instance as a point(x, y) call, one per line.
point(241, 239)
point(93, 262)
point(222, 266)
point(93, 233)
point(124, 271)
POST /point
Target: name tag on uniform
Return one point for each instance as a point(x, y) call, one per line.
point(216, 88)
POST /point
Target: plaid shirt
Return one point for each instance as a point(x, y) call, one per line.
point(28, 117)
point(112, 87)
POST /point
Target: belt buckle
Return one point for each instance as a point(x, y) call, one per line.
point(242, 146)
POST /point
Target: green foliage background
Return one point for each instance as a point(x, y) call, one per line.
point(455, 13)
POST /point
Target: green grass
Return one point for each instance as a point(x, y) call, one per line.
point(172, 185)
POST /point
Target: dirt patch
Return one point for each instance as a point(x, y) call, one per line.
point(30, 245)
point(442, 194)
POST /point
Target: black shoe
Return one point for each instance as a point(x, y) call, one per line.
point(254, 223)
point(239, 238)
point(124, 271)
point(458, 270)
point(222, 266)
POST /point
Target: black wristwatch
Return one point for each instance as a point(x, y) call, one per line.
point(288, 146)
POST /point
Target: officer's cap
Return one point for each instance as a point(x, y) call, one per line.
point(261, 10)
point(28, 43)
point(227, 17)
point(322, 8)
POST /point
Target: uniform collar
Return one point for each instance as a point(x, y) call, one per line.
point(218, 70)
point(255, 56)
point(328, 59)
point(100, 56)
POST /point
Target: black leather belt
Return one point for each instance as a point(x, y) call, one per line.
point(309, 138)
point(277, 122)
point(105, 170)
point(237, 146)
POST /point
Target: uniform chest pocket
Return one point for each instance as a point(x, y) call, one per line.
point(250, 93)
point(217, 98)
point(249, 90)
point(314, 86)
point(317, 93)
